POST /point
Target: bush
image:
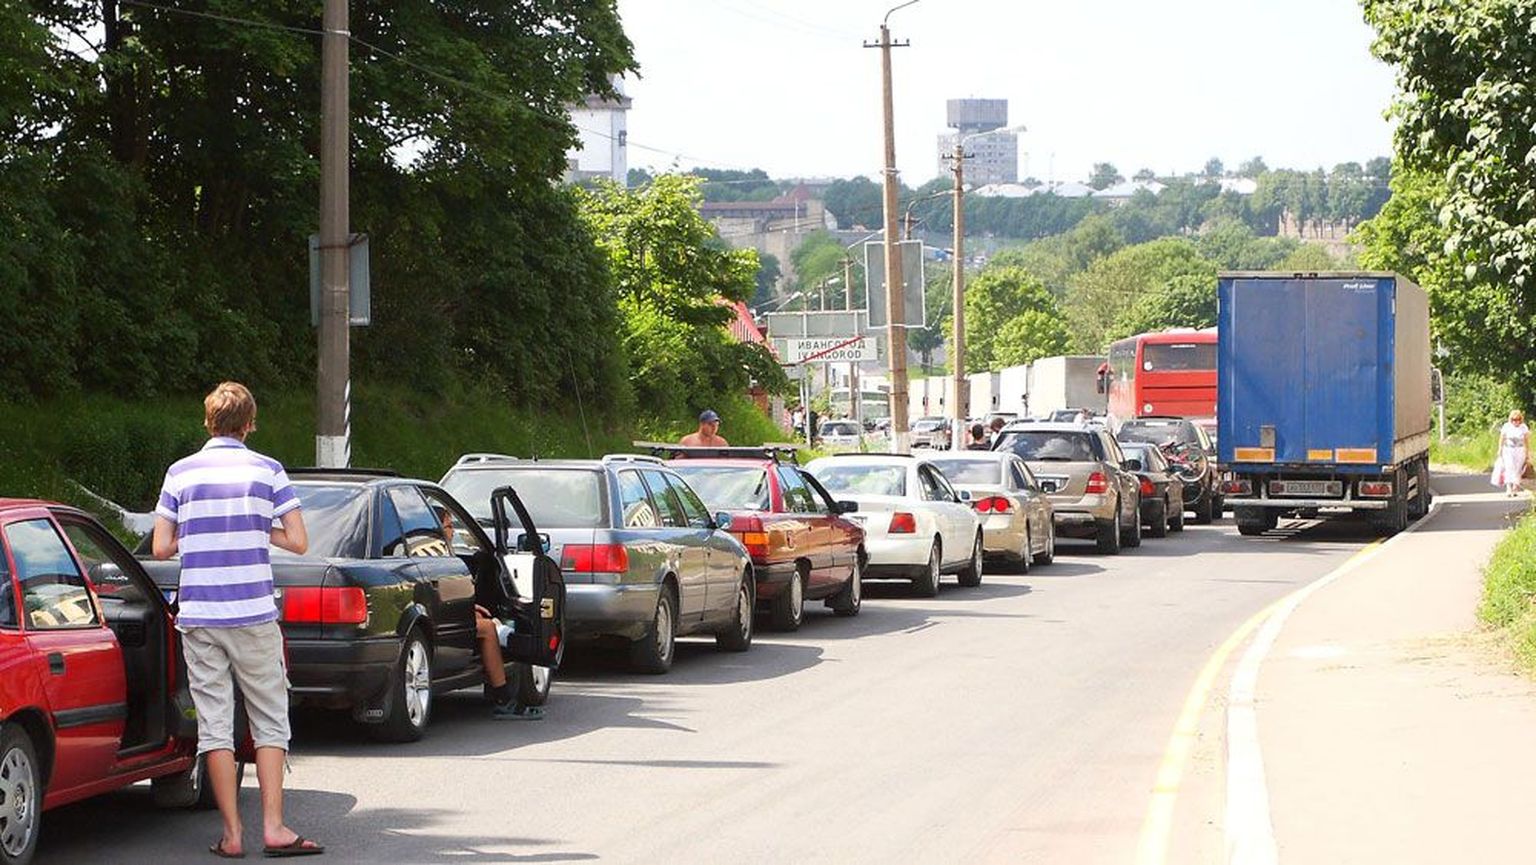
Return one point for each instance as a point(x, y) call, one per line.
point(1476, 404)
point(1509, 585)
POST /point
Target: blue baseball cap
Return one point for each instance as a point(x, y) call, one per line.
point(709, 416)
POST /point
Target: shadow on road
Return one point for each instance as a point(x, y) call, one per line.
point(102, 828)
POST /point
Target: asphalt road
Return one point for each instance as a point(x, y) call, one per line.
point(1021, 721)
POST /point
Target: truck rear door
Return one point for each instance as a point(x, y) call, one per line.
point(1345, 358)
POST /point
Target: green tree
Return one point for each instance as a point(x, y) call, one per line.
point(1214, 168)
point(856, 202)
point(1029, 336)
point(1104, 175)
point(1101, 295)
point(998, 295)
point(670, 278)
point(1144, 174)
point(768, 275)
point(1309, 258)
point(817, 260)
point(1464, 69)
point(1188, 300)
point(1252, 168)
point(1231, 245)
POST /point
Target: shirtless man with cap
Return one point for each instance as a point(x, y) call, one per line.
point(708, 435)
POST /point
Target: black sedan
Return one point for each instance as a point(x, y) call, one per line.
point(379, 616)
point(1162, 490)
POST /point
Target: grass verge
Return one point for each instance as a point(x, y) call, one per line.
point(1509, 590)
point(1470, 452)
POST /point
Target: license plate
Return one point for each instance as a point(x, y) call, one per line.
point(1306, 488)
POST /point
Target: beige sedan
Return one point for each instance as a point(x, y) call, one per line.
point(1017, 520)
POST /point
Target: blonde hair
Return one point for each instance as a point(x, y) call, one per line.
point(229, 410)
point(1517, 415)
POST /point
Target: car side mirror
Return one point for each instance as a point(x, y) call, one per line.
point(1133, 465)
point(723, 521)
point(847, 507)
point(522, 542)
point(964, 495)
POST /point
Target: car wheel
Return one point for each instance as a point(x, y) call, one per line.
point(653, 652)
point(1132, 537)
point(1176, 518)
point(409, 705)
point(1109, 535)
point(1157, 519)
point(1027, 554)
point(851, 598)
point(971, 576)
point(1205, 509)
point(928, 584)
point(737, 637)
point(1049, 555)
point(21, 795)
point(1255, 521)
point(533, 684)
point(190, 789)
point(788, 609)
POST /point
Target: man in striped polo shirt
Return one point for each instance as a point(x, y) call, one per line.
point(222, 509)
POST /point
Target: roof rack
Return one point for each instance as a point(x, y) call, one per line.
point(776, 451)
point(870, 454)
point(366, 473)
point(631, 458)
point(470, 459)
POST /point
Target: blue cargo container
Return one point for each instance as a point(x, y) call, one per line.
point(1323, 396)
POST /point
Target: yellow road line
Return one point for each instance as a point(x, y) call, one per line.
point(1157, 829)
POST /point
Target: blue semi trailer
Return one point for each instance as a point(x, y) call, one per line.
point(1323, 397)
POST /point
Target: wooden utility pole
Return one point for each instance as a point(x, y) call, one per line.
point(854, 409)
point(895, 297)
point(961, 382)
point(333, 374)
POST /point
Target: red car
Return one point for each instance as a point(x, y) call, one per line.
point(802, 547)
point(92, 691)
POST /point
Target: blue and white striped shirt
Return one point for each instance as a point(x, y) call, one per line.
point(223, 500)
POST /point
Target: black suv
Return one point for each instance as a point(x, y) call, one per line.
point(1192, 455)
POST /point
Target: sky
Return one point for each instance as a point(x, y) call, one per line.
point(786, 86)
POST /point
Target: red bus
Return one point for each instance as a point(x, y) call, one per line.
point(1171, 373)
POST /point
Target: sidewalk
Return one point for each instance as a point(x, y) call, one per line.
point(1392, 731)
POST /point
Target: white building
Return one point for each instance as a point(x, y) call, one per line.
point(602, 138)
point(994, 157)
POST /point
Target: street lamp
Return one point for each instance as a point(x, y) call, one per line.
point(957, 433)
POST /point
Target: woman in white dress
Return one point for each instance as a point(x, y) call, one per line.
point(1509, 465)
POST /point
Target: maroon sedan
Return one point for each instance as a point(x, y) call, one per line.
point(802, 547)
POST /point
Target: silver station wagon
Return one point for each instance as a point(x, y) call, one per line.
point(644, 560)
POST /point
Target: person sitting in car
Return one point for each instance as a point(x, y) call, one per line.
point(503, 696)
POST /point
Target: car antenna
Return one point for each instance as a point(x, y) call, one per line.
point(579, 406)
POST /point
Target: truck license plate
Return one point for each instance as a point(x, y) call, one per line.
point(1306, 488)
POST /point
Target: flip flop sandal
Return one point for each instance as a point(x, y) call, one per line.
point(218, 850)
point(296, 848)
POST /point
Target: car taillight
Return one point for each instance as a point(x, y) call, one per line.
point(325, 605)
point(595, 558)
point(903, 523)
point(749, 530)
point(1098, 484)
point(1147, 489)
point(1376, 489)
point(993, 505)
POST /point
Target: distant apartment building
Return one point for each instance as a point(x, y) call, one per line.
point(602, 138)
point(995, 157)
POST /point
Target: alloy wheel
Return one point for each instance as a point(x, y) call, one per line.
point(664, 631)
point(744, 609)
point(18, 802)
point(418, 683)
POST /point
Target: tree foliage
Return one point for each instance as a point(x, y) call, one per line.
point(1104, 175)
point(1104, 293)
point(856, 202)
point(1005, 299)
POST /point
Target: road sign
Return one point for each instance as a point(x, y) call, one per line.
point(788, 325)
point(358, 294)
point(831, 349)
point(911, 278)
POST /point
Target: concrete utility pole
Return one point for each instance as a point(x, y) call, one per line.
point(958, 434)
point(895, 295)
point(854, 409)
point(333, 374)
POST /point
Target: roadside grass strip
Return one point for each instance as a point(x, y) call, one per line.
point(1474, 453)
point(1509, 591)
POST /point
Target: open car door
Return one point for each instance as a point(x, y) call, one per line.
point(533, 582)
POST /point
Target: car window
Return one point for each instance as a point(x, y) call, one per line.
point(862, 478)
point(946, 492)
point(823, 498)
point(7, 594)
point(556, 498)
point(104, 562)
point(1045, 446)
point(635, 503)
point(420, 532)
point(454, 524)
point(972, 471)
point(727, 488)
point(797, 496)
point(693, 509)
point(336, 517)
point(667, 504)
point(1022, 479)
point(1112, 448)
point(53, 591)
point(932, 491)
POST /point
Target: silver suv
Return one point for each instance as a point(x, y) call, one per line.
point(644, 560)
point(1084, 473)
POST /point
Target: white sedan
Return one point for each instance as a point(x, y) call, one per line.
point(916, 525)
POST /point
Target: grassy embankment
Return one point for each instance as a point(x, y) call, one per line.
point(1474, 453)
point(120, 448)
point(1509, 591)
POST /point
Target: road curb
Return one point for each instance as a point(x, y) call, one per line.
point(1249, 830)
